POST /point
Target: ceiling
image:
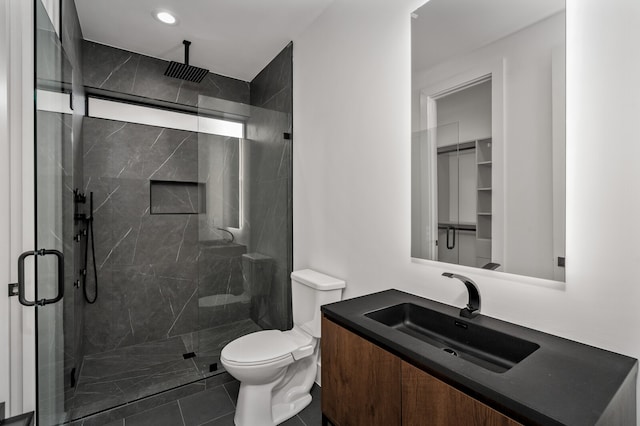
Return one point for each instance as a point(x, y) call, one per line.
point(444, 29)
point(235, 38)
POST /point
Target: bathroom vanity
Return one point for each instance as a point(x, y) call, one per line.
point(392, 358)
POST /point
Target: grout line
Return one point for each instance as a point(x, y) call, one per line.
point(229, 395)
point(201, 374)
point(217, 418)
point(181, 415)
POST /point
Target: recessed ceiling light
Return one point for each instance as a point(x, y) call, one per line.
point(165, 17)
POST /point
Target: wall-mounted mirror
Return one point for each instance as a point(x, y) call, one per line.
point(488, 126)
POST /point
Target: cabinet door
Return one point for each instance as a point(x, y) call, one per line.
point(429, 401)
point(360, 381)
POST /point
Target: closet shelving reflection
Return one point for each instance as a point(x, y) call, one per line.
point(483, 201)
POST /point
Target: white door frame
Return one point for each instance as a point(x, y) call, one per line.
point(17, 334)
point(495, 68)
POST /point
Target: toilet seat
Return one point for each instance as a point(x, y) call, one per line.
point(267, 347)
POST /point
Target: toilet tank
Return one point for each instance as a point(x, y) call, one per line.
point(309, 291)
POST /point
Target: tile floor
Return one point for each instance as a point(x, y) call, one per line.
point(214, 406)
point(114, 378)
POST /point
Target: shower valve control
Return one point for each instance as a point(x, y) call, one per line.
point(79, 197)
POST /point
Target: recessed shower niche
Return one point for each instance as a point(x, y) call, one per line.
point(172, 197)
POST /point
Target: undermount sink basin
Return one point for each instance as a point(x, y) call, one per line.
point(487, 348)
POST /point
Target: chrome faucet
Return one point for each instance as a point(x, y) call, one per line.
point(473, 307)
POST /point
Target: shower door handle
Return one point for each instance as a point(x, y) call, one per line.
point(18, 288)
point(451, 243)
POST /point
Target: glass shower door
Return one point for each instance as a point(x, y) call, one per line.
point(244, 227)
point(448, 231)
point(436, 220)
point(457, 197)
point(54, 221)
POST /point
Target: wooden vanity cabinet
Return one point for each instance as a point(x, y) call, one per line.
point(429, 401)
point(360, 381)
point(364, 385)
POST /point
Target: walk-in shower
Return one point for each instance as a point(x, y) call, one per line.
point(175, 288)
point(171, 202)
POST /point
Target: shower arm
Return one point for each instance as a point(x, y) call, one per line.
point(186, 43)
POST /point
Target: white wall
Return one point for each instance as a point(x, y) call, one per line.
point(352, 83)
point(17, 345)
point(5, 210)
point(471, 109)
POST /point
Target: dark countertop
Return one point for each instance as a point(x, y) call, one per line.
point(562, 383)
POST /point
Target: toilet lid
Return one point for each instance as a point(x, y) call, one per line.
point(260, 347)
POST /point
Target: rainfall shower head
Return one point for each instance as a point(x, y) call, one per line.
point(186, 71)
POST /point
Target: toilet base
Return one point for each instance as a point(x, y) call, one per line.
point(254, 405)
point(283, 412)
point(255, 410)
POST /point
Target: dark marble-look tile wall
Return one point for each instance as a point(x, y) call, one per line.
point(147, 264)
point(152, 269)
point(221, 285)
point(272, 87)
point(126, 72)
point(220, 269)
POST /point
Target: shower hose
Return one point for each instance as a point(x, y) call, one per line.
point(89, 230)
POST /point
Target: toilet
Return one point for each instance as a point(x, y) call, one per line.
point(276, 369)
